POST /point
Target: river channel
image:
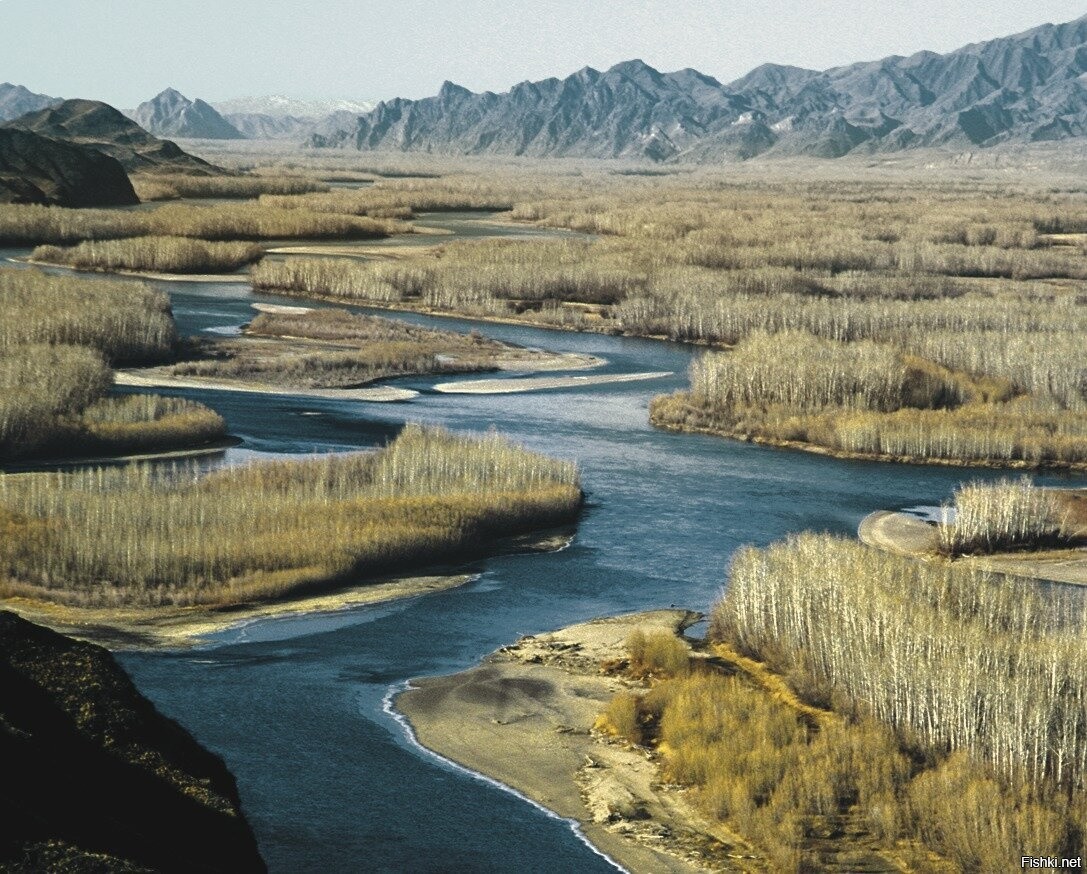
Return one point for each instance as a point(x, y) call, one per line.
point(297, 706)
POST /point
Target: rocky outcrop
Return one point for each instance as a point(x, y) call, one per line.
point(36, 169)
point(96, 779)
point(172, 114)
point(1017, 89)
point(104, 129)
point(15, 100)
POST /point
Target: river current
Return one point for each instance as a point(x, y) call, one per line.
point(297, 707)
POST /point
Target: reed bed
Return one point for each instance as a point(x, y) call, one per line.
point(136, 535)
point(154, 254)
point(863, 398)
point(961, 659)
point(1008, 515)
point(128, 322)
point(171, 186)
point(330, 348)
point(59, 337)
point(27, 225)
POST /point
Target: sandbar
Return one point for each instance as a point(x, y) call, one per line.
point(514, 386)
point(524, 718)
point(371, 394)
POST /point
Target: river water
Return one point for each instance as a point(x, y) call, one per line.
point(328, 777)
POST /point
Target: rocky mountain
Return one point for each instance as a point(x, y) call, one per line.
point(260, 126)
point(172, 114)
point(36, 169)
point(104, 129)
point(15, 100)
point(95, 778)
point(1023, 88)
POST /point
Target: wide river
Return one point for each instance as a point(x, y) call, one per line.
point(328, 777)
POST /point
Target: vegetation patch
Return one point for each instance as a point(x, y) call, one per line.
point(863, 774)
point(171, 186)
point(58, 340)
point(145, 535)
point(153, 254)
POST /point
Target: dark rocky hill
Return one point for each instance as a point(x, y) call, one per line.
point(96, 779)
point(103, 128)
point(36, 169)
point(172, 114)
point(1025, 88)
point(15, 100)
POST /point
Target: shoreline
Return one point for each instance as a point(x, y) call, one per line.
point(846, 455)
point(528, 384)
point(376, 394)
point(903, 534)
point(28, 465)
point(149, 628)
point(523, 719)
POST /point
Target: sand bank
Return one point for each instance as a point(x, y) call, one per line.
point(371, 394)
point(180, 627)
point(524, 718)
point(512, 386)
point(907, 535)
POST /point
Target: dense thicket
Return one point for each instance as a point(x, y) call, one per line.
point(963, 659)
point(1002, 516)
point(31, 225)
point(58, 337)
point(154, 254)
point(141, 535)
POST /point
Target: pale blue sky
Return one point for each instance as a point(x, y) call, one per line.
point(125, 51)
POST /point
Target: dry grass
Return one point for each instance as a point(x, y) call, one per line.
point(143, 535)
point(171, 186)
point(331, 348)
point(58, 337)
point(153, 254)
point(1003, 516)
point(963, 658)
point(813, 789)
point(23, 225)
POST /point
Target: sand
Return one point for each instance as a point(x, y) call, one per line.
point(907, 535)
point(371, 394)
point(524, 717)
point(120, 628)
point(516, 386)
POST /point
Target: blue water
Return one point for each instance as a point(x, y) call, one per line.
point(328, 779)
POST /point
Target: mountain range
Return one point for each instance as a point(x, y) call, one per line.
point(100, 127)
point(1024, 88)
point(15, 100)
point(171, 114)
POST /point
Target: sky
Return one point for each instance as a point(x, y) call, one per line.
point(126, 51)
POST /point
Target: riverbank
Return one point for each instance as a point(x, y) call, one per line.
point(815, 449)
point(903, 534)
point(127, 628)
point(524, 717)
point(517, 386)
point(157, 379)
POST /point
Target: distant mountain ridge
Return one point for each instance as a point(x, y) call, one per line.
point(1024, 88)
point(15, 100)
point(279, 106)
point(171, 114)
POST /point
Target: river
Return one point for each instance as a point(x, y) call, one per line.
point(328, 778)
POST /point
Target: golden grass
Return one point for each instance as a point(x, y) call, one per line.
point(141, 535)
point(170, 186)
point(811, 789)
point(153, 254)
